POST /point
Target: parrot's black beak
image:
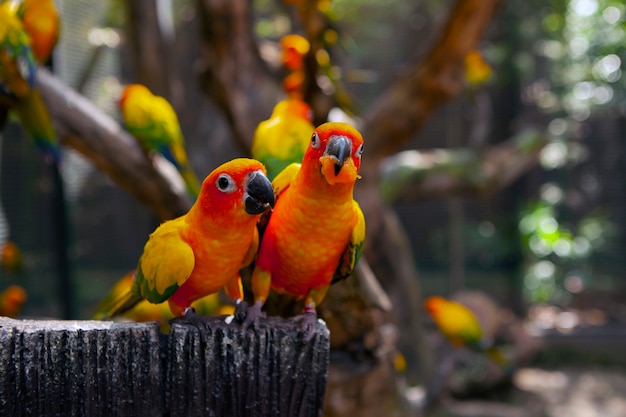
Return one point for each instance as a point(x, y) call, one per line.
point(339, 149)
point(259, 195)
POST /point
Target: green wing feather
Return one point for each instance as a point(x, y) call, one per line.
point(353, 251)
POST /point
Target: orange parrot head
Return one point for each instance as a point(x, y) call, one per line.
point(238, 187)
point(293, 107)
point(131, 89)
point(434, 304)
point(337, 148)
point(294, 47)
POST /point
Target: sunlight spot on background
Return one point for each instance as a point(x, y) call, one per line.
point(557, 127)
point(538, 246)
point(551, 193)
point(539, 380)
point(574, 284)
point(562, 248)
point(547, 100)
point(581, 112)
point(611, 15)
point(566, 321)
point(584, 8)
point(602, 94)
point(578, 46)
point(608, 68)
point(553, 155)
point(544, 269)
point(551, 49)
point(104, 36)
point(486, 229)
point(583, 90)
point(581, 246)
point(548, 225)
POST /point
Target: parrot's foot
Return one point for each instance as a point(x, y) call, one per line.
point(191, 318)
point(307, 320)
point(247, 315)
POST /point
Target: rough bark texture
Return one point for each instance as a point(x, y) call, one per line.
point(91, 368)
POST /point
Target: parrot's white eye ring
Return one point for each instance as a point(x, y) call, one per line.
point(225, 183)
point(315, 141)
point(359, 151)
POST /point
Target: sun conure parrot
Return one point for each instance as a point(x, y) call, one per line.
point(17, 79)
point(153, 122)
point(459, 324)
point(316, 231)
point(12, 299)
point(145, 311)
point(283, 138)
point(11, 257)
point(41, 21)
point(201, 252)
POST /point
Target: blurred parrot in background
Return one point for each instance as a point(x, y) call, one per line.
point(41, 21)
point(460, 326)
point(283, 138)
point(293, 49)
point(145, 311)
point(12, 299)
point(153, 122)
point(201, 252)
point(11, 257)
point(17, 80)
point(315, 234)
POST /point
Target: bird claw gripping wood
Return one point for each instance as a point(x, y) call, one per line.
point(191, 318)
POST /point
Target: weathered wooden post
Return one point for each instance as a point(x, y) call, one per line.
point(91, 368)
point(79, 368)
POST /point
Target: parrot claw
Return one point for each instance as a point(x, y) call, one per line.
point(247, 315)
point(191, 318)
point(308, 321)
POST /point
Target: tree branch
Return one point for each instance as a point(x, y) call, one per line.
point(413, 175)
point(234, 75)
point(402, 110)
point(147, 47)
point(84, 127)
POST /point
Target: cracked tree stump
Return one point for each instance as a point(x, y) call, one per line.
point(91, 368)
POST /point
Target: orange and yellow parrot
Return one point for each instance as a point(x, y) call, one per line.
point(316, 231)
point(11, 257)
point(283, 138)
point(41, 21)
point(17, 79)
point(201, 252)
point(455, 321)
point(153, 122)
point(459, 324)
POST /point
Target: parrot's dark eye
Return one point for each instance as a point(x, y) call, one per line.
point(315, 141)
point(225, 183)
point(359, 151)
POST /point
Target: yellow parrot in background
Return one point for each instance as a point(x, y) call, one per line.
point(153, 122)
